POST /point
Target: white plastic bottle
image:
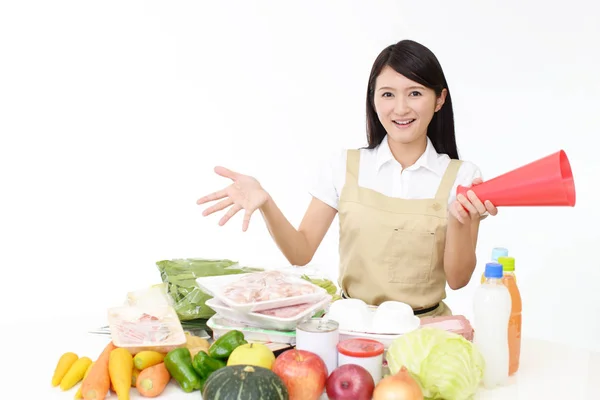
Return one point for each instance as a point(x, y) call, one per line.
point(492, 308)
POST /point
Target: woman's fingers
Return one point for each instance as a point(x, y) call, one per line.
point(459, 212)
point(246, 222)
point(230, 213)
point(470, 208)
point(476, 202)
point(226, 173)
point(212, 197)
point(218, 207)
point(491, 208)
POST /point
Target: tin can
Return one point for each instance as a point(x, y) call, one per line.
point(320, 336)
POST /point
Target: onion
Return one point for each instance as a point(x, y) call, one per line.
point(400, 386)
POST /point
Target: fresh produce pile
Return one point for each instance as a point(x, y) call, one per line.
point(193, 367)
point(428, 363)
point(118, 370)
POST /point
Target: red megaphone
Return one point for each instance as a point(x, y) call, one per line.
point(545, 182)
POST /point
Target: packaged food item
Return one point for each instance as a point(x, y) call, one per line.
point(453, 323)
point(262, 291)
point(266, 286)
point(146, 328)
point(155, 295)
point(283, 318)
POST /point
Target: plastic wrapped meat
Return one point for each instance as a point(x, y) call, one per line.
point(286, 312)
point(454, 323)
point(265, 286)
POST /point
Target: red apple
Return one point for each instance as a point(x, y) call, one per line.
point(303, 372)
point(350, 382)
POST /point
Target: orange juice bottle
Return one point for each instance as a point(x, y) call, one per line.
point(496, 253)
point(514, 325)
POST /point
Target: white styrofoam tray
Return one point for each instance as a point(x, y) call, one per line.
point(213, 285)
point(267, 321)
point(221, 326)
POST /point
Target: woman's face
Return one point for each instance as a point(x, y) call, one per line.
point(404, 107)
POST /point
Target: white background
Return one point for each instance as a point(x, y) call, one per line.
point(114, 113)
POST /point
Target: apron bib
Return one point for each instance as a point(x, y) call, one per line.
point(393, 248)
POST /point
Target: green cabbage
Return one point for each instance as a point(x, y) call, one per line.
point(446, 365)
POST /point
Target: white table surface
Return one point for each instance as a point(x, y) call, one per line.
point(548, 370)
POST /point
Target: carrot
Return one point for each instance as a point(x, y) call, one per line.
point(120, 369)
point(95, 385)
point(153, 380)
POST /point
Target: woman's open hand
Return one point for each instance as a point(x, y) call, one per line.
point(244, 193)
point(469, 207)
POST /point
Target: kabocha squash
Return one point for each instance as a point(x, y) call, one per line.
point(252, 382)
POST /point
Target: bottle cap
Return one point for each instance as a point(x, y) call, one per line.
point(499, 252)
point(493, 270)
point(508, 263)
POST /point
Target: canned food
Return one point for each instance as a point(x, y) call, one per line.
point(320, 336)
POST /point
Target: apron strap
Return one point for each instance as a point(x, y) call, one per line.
point(352, 164)
point(443, 192)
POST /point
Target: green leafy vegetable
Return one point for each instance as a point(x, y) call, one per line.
point(326, 284)
point(180, 276)
point(445, 364)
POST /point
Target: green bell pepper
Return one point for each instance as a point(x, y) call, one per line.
point(224, 346)
point(179, 364)
point(205, 365)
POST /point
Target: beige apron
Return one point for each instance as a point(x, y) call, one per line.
point(393, 248)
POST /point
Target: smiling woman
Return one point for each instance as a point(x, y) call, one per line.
point(403, 232)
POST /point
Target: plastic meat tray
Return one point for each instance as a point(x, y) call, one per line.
point(268, 321)
point(213, 285)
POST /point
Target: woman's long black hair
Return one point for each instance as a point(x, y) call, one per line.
point(417, 63)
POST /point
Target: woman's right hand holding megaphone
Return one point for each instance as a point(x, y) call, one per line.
point(469, 207)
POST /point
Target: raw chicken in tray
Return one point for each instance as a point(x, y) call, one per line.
point(261, 291)
point(282, 319)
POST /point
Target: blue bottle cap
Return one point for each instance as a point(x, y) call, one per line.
point(499, 252)
point(493, 270)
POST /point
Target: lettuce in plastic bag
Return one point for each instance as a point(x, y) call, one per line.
point(446, 365)
point(180, 276)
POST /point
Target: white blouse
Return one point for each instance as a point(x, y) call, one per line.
point(380, 171)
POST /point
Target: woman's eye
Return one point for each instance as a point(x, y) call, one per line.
point(415, 93)
point(387, 94)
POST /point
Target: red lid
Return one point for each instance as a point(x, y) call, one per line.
point(360, 348)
